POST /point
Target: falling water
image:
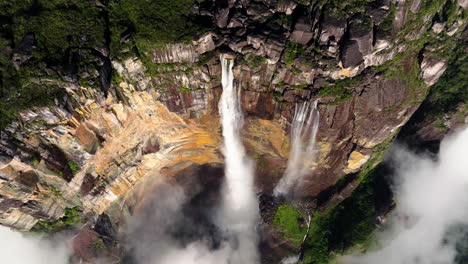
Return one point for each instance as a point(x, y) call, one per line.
point(239, 214)
point(304, 128)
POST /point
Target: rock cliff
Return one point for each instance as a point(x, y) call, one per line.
point(141, 114)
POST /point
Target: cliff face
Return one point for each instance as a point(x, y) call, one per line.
point(368, 64)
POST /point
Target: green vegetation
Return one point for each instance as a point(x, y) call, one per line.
point(291, 222)
point(64, 35)
point(302, 2)
point(387, 23)
point(59, 26)
point(55, 191)
point(351, 222)
point(18, 93)
point(58, 32)
point(98, 245)
point(71, 217)
point(185, 90)
point(341, 90)
point(451, 89)
point(293, 50)
point(299, 86)
point(73, 166)
point(35, 159)
point(159, 69)
point(337, 229)
point(342, 9)
point(345, 225)
point(252, 60)
point(449, 12)
point(151, 23)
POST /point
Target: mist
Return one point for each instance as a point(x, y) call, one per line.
point(16, 248)
point(431, 202)
point(161, 233)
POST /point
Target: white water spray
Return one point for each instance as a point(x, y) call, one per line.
point(239, 214)
point(432, 199)
point(304, 128)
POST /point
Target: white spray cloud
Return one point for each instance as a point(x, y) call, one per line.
point(290, 260)
point(16, 248)
point(151, 232)
point(303, 136)
point(432, 198)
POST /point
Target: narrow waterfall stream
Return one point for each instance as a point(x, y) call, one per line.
point(303, 136)
point(239, 213)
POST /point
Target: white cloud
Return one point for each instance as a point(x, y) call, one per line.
point(432, 198)
point(16, 248)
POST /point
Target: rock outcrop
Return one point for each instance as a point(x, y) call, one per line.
point(369, 67)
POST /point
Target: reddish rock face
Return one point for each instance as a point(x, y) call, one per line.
point(89, 247)
point(83, 245)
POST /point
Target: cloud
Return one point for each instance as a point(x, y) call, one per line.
point(432, 200)
point(16, 248)
point(160, 232)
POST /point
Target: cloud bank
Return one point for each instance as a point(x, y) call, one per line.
point(432, 201)
point(15, 248)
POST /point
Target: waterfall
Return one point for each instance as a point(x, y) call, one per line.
point(239, 213)
point(304, 128)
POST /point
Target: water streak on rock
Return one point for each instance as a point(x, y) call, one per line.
point(303, 136)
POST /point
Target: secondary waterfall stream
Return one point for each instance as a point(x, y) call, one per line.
point(303, 130)
point(239, 212)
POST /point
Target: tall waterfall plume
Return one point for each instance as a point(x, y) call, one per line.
point(302, 155)
point(239, 213)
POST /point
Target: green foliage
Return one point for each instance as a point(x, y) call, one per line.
point(67, 32)
point(302, 2)
point(35, 160)
point(293, 50)
point(55, 191)
point(299, 86)
point(64, 26)
point(73, 166)
point(151, 23)
point(283, 19)
point(451, 89)
point(387, 22)
point(341, 90)
point(64, 31)
point(71, 217)
point(449, 11)
point(343, 226)
point(18, 93)
point(98, 245)
point(59, 26)
point(342, 9)
point(291, 222)
point(185, 90)
point(252, 60)
point(204, 58)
